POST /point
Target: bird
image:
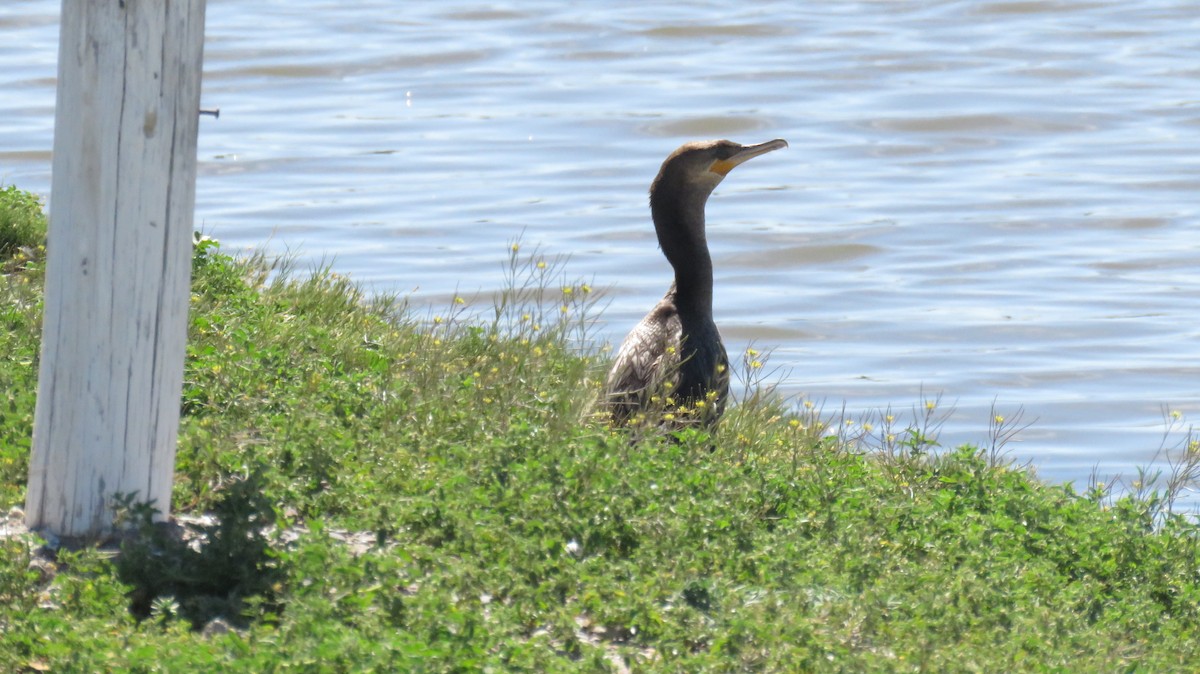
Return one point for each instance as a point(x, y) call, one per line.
point(672, 369)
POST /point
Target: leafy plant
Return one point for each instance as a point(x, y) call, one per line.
point(200, 571)
point(22, 221)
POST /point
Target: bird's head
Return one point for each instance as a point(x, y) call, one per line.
point(696, 168)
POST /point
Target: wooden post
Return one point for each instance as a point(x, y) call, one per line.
point(118, 262)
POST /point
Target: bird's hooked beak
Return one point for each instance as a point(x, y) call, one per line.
point(748, 152)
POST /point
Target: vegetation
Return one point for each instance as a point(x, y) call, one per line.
point(22, 223)
point(22, 248)
point(396, 492)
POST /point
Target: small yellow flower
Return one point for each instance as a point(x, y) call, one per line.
point(998, 419)
point(585, 288)
point(700, 404)
point(668, 417)
point(459, 300)
point(516, 247)
point(890, 418)
point(541, 264)
point(668, 385)
point(537, 351)
point(808, 404)
point(567, 290)
point(755, 364)
point(794, 423)
point(437, 320)
point(930, 404)
point(536, 327)
point(721, 369)
point(670, 349)
point(868, 428)
point(525, 318)
point(891, 437)
point(1176, 414)
point(711, 396)
point(752, 352)
point(563, 309)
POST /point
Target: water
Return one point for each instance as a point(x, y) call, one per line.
point(994, 201)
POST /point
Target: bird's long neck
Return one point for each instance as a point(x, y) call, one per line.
point(680, 228)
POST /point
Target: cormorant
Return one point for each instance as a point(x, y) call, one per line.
point(672, 366)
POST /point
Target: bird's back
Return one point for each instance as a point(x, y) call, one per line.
point(683, 381)
point(648, 357)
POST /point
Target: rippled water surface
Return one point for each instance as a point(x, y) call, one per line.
point(994, 201)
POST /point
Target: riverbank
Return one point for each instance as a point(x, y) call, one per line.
point(508, 529)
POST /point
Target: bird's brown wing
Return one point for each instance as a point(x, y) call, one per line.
point(649, 353)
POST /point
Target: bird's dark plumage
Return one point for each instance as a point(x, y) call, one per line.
point(673, 366)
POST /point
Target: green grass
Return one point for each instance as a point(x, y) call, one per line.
point(22, 247)
point(507, 528)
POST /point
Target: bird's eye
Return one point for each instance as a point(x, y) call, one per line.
point(727, 151)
